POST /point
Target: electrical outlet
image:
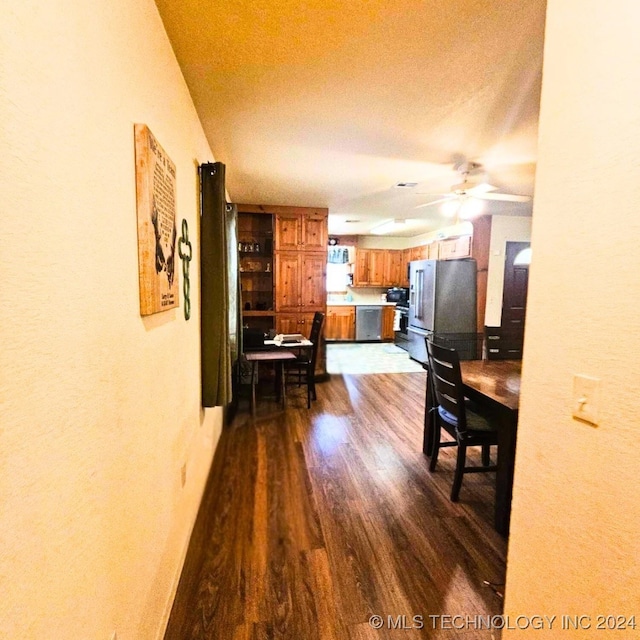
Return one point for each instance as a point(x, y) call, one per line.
point(183, 475)
point(586, 398)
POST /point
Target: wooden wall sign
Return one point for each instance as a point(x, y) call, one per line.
point(156, 207)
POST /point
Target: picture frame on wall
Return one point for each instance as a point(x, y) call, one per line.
point(156, 216)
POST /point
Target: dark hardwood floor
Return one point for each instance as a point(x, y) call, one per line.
point(314, 520)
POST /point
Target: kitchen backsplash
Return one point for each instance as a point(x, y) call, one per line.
point(360, 295)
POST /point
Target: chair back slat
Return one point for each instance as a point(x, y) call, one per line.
point(444, 365)
point(314, 336)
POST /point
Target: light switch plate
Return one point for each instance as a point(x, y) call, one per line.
point(586, 398)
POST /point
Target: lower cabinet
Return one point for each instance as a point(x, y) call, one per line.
point(504, 343)
point(340, 323)
point(301, 323)
point(388, 314)
point(294, 323)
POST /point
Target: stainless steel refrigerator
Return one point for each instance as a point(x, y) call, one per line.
point(442, 304)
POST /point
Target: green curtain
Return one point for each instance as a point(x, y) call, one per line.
point(216, 306)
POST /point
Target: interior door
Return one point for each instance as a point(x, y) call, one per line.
point(516, 282)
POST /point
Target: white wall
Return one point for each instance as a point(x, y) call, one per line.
point(382, 242)
point(503, 229)
point(575, 534)
point(100, 408)
point(460, 229)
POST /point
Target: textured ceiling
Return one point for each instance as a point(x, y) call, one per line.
point(332, 102)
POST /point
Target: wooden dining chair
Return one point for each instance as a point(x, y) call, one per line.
point(452, 414)
point(303, 368)
point(431, 409)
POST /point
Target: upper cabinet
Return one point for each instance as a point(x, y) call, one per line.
point(378, 268)
point(455, 248)
point(394, 273)
point(421, 252)
point(301, 239)
point(300, 281)
point(301, 231)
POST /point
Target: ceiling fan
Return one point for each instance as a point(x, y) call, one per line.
point(460, 194)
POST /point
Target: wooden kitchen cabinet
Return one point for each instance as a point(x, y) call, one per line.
point(313, 281)
point(406, 259)
point(394, 276)
point(420, 253)
point(294, 323)
point(301, 240)
point(378, 268)
point(299, 268)
point(300, 281)
point(369, 269)
point(388, 313)
point(288, 272)
point(361, 271)
point(340, 322)
point(449, 249)
point(454, 248)
point(301, 231)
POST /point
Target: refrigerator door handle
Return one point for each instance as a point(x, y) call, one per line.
point(420, 332)
point(419, 285)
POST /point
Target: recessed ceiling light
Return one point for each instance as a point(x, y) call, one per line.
point(406, 185)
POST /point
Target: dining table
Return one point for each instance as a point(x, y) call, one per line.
point(276, 351)
point(494, 384)
point(274, 356)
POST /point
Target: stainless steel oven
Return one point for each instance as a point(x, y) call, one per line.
point(402, 333)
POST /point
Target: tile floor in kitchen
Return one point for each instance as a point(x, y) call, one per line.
point(369, 357)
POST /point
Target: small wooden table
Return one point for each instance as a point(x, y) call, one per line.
point(495, 384)
point(278, 356)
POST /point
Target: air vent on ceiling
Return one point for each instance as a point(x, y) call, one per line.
point(352, 220)
point(406, 185)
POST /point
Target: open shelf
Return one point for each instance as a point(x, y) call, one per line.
point(255, 230)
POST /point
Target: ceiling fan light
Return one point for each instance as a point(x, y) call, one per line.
point(450, 208)
point(470, 208)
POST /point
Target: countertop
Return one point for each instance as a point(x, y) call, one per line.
point(361, 304)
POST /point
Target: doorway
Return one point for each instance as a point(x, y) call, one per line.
point(516, 283)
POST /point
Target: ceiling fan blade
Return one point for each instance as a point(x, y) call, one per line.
point(483, 187)
point(428, 204)
point(505, 197)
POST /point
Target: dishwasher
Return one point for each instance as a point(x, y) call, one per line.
point(368, 322)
